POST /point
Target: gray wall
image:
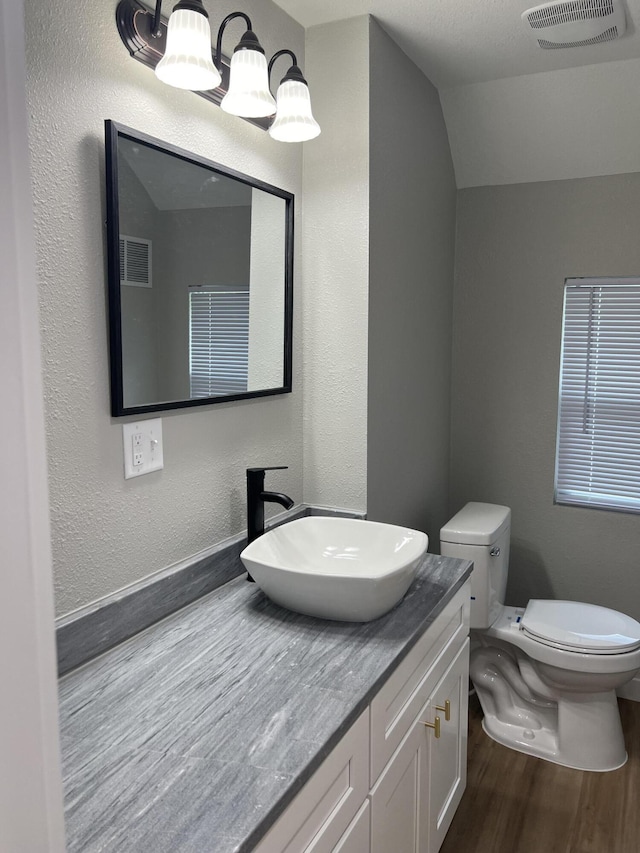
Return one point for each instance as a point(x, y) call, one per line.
point(515, 246)
point(215, 246)
point(190, 246)
point(412, 197)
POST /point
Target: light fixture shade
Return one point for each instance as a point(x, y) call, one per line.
point(294, 121)
point(248, 94)
point(187, 62)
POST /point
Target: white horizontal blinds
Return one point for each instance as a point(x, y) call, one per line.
point(598, 454)
point(219, 342)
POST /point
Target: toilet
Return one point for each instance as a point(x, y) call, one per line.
point(546, 674)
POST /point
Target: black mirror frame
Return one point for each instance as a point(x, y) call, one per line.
point(118, 409)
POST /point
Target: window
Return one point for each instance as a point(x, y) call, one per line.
point(598, 445)
point(218, 341)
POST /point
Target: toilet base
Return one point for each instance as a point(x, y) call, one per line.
point(581, 730)
point(543, 743)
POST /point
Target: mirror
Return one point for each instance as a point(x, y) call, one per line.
point(200, 279)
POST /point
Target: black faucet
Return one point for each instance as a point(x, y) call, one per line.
point(256, 499)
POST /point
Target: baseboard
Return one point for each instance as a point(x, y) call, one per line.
point(631, 690)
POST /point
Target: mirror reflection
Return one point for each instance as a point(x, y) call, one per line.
point(201, 295)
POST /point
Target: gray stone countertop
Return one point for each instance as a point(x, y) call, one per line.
point(196, 734)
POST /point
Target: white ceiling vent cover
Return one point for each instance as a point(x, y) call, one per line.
point(574, 23)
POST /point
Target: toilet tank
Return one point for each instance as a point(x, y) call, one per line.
point(480, 532)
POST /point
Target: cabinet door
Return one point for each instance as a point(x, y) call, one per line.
point(357, 839)
point(320, 814)
point(399, 799)
point(401, 698)
point(448, 753)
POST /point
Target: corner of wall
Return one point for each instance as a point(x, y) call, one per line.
point(412, 222)
point(335, 266)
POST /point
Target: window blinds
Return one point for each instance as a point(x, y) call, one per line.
point(598, 447)
point(219, 342)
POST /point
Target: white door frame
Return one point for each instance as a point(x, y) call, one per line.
point(31, 816)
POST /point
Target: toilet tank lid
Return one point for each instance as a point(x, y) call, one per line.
point(476, 524)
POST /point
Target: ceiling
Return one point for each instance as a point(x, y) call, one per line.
point(176, 184)
point(457, 42)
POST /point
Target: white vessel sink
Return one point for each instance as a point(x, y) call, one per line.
point(336, 568)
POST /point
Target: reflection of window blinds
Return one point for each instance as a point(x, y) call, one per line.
point(219, 342)
point(135, 261)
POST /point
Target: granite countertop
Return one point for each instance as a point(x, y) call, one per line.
point(196, 734)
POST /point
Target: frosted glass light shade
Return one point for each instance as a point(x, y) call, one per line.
point(248, 94)
point(294, 121)
point(187, 62)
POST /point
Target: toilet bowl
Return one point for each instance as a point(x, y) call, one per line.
point(545, 674)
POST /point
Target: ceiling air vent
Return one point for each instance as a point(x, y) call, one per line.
point(574, 23)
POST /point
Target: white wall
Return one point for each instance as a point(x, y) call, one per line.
point(30, 783)
point(266, 302)
point(575, 123)
point(379, 216)
point(336, 267)
point(108, 532)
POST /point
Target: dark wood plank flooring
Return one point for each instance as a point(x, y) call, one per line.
point(515, 803)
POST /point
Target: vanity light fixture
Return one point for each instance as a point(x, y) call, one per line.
point(187, 62)
point(248, 93)
point(294, 121)
point(180, 51)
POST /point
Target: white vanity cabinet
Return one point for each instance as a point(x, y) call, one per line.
point(417, 794)
point(448, 756)
point(419, 738)
point(357, 839)
point(395, 779)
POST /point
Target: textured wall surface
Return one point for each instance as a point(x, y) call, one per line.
point(336, 266)
point(412, 229)
point(515, 247)
point(108, 532)
point(31, 790)
point(576, 123)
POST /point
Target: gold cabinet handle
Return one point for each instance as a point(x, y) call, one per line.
point(435, 725)
point(446, 708)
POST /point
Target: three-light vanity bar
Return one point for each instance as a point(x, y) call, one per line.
point(180, 52)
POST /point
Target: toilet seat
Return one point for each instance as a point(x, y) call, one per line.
point(577, 627)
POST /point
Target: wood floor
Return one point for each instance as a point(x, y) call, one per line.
point(518, 804)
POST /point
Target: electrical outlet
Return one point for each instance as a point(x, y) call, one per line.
point(142, 442)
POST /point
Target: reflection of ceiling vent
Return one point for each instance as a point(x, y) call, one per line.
point(574, 23)
point(135, 261)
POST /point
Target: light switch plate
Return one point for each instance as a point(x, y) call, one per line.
point(142, 441)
